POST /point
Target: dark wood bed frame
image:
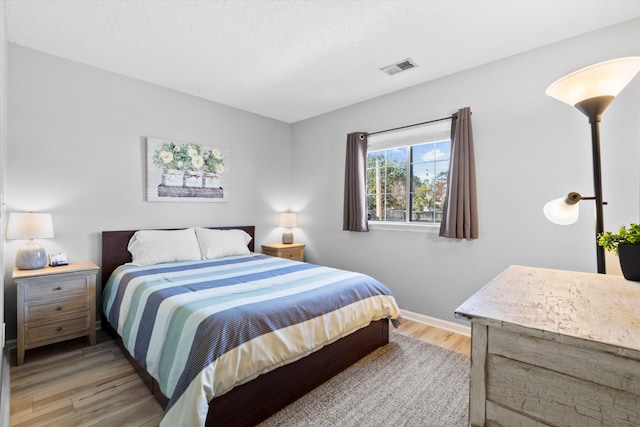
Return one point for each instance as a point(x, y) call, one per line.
point(256, 400)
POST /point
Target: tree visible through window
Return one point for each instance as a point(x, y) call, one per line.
point(408, 183)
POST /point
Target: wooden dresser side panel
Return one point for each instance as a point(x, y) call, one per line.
point(558, 399)
point(583, 362)
point(499, 416)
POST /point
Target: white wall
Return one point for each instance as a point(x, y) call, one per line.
point(529, 149)
point(77, 149)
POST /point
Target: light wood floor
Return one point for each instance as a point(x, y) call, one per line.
point(440, 337)
point(74, 384)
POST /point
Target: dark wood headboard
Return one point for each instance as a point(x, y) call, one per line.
point(115, 253)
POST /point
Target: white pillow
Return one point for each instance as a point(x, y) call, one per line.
point(221, 243)
point(149, 247)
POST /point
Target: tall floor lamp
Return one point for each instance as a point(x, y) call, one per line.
point(590, 90)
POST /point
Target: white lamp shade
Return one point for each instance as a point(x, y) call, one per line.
point(29, 226)
point(288, 220)
point(560, 212)
point(606, 78)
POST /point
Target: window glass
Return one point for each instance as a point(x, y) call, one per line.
point(407, 182)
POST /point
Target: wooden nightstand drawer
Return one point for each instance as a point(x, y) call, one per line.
point(293, 251)
point(295, 254)
point(57, 309)
point(55, 304)
point(42, 334)
point(47, 290)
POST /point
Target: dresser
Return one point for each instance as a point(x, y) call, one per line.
point(294, 251)
point(55, 304)
point(554, 348)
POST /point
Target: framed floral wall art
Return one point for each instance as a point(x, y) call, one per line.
point(186, 172)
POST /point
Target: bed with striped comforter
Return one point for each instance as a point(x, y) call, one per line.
point(202, 327)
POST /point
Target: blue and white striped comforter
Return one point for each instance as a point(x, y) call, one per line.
point(202, 327)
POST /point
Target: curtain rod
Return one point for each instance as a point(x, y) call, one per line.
point(410, 126)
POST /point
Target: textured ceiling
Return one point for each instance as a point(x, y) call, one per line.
point(295, 59)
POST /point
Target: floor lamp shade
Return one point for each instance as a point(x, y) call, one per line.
point(560, 212)
point(30, 226)
point(606, 78)
point(288, 220)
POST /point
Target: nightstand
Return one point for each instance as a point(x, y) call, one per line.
point(55, 304)
point(294, 251)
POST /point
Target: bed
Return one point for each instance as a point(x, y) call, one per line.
point(259, 395)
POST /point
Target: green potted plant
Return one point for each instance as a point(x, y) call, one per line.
point(626, 244)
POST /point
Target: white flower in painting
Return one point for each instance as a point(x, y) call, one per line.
point(192, 152)
point(197, 161)
point(179, 164)
point(176, 148)
point(219, 168)
point(166, 156)
point(216, 153)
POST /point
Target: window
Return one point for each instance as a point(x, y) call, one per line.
point(407, 174)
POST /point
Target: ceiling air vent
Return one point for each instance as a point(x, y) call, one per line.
point(400, 66)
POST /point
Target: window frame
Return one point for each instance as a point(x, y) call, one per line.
point(433, 132)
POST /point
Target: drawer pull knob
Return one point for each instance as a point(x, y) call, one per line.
point(59, 328)
point(59, 288)
point(58, 308)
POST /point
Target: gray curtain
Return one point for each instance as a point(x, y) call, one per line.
point(355, 191)
point(460, 213)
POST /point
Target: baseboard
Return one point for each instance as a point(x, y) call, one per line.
point(438, 323)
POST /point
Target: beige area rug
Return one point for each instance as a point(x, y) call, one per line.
point(405, 383)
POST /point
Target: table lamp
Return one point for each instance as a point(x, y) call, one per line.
point(30, 226)
point(288, 220)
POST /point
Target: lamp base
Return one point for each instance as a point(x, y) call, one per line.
point(287, 237)
point(31, 257)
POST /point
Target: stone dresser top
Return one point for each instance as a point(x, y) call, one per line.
point(594, 307)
